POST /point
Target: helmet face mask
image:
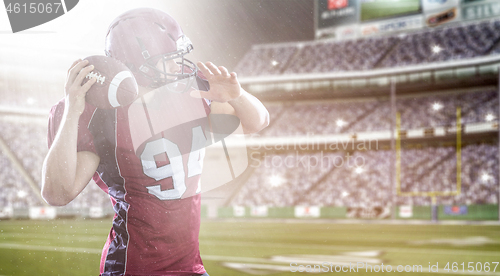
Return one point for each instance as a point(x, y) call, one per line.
point(169, 69)
point(151, 43)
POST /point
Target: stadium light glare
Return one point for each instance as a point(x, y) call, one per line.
point(274, 63)
point(276, 181)
point(437, 106)
point(22, 194)
point(436, 49)
point(340, 122)
point(30, 100)
point(485, 177)
point(489, 117)
point(345, 193)
point(358, 170)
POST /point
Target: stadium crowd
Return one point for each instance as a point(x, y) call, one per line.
point(28, 142)
point(421, 111)
point(363, 178)
point(454, 42)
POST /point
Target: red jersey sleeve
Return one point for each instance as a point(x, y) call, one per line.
point(85, 138)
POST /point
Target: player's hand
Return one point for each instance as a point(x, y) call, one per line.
point(75, 91)
point(224, 86)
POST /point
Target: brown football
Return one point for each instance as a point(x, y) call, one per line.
point(115, 85)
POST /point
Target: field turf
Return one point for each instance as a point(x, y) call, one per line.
point(246, 247)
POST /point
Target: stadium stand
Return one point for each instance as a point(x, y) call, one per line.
point(417, 111)
point(15, 191)
point(328, 179)
point(424, 169)
point(27, 140)
point(454, 42)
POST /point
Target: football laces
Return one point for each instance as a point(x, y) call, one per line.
point(98, 77)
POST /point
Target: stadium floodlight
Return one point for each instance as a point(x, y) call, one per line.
point(340, 122)
point(276, 181)
point(436, 49)
point(485, 177)
point(437, 106)
point(489, 117)
point(30, 100)
point(22, 194)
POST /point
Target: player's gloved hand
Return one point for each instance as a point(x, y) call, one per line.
point(74, 90)
point(224, 86)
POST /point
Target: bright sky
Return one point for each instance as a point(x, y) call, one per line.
point(221, 31)
point(50, 48)
point(82, 27)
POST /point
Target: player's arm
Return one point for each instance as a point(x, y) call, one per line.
point(66, 172)
point(228, 97)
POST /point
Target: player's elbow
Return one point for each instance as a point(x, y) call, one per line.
point(54, 197)
point(55, 203)
point(54, 200)
point(259, 124)
point(266, 120)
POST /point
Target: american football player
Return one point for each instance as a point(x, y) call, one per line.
point(147, 155)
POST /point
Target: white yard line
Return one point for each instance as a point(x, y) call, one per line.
point(426, 251)
point(84, 237)
point(49, 248)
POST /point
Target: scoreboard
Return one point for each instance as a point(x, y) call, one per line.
point(345, 19)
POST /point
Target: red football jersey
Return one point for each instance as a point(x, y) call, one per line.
point(151, 156)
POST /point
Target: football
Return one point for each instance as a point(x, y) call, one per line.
point(115, 85)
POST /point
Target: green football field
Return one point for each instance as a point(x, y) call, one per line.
point(387, 8)
point(256, 247)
